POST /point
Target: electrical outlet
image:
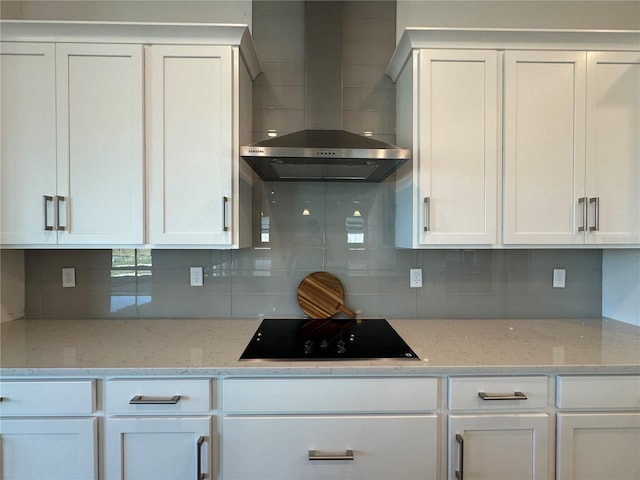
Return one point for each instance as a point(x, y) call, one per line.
point(415, 277)
point(559, 277)
point(196, 277)
point(68, 277)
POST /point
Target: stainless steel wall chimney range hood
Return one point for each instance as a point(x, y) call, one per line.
point(323, 152)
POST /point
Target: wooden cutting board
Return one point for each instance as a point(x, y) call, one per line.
point(321, 295)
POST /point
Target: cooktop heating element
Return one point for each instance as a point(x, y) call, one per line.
point(305, 339)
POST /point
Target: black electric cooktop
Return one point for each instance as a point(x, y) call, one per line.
point(307, 339)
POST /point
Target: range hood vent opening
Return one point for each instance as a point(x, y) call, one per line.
point(324, 155)
point(324, 151)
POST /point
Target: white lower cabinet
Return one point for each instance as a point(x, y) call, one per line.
point(330, 428)
point(594, 446)
point(49, 448)
point(510, 439)
point(598, 428)
point(500, 446)
point(173, 448)
point(48, 430)
point(158, 429)
point(319, 427)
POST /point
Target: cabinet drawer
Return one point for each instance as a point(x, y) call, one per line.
point(281, 448)
point(334, 395)
point(73, 397)
point(131, 396)
point(503, 393)
point(604, 391)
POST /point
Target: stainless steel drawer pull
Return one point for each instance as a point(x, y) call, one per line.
point(142, 400)
point(502, 396)
point(582, 201)
point(225, 207)
point(427, 214)
point(596, 214)
point(316, 455)
point(46, 199)
point(460, 442)
point(199, 474)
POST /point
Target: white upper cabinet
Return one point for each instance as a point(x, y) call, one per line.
point(613, 147)
point(544, 171)
point(28, 143)
point(194, 183)
point(565, 108)
point(448, 114)
point(72, 144)
point(572, 148)
point(100, 143)
point(80, 112)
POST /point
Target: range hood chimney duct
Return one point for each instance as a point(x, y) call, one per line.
point(323, 56)
point(323, 152)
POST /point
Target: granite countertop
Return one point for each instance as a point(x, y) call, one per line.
point(206, 347)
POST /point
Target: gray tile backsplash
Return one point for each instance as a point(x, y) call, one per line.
point(288, 244)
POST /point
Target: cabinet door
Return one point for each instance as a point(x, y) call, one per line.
point(458, 147)
point(48, 449)
point(28, 143)
point(100, 143)
point(498, 447)
point(544, 164)
point(167, 448)
point(190, 158)
point(613, 147)
point(594, 446)
point(361, 447)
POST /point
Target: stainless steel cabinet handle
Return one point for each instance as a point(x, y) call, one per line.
point(199, 474)
point(46, 199)
point(142, 400)
point(596, 214)
point(583, 202)
point(502, 396)
point(225, 206)
point(59, 199)
point(460, 471)
point(316, 455)
point(427, 214)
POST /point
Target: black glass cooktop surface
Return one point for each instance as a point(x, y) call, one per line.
point(305, 339)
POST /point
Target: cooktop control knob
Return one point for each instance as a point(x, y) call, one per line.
point(341, 347)
point(308, 347)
